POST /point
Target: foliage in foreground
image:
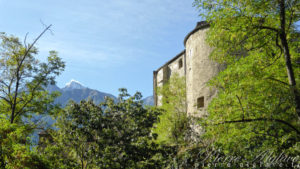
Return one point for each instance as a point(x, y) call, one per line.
point(173, 123)
point(24, 78)
point(15, 149)
point(23, 96)
point(109, 135)
point(257, 108)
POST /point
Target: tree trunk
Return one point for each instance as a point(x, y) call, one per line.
point(14, 103)
point(287, 57)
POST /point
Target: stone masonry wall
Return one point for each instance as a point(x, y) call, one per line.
point(197, 68)
point(200, 69)
point(163, 74)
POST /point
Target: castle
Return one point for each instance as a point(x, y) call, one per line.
point(195, 65)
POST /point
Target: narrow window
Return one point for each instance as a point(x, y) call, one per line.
point(200, 102)
point(180, 63)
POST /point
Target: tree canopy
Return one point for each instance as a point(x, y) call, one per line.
point(24, 78)
point(173, 122)
point(22, 96)
point(257, 107)
point(109, 135)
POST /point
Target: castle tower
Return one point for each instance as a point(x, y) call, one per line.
point(199, 70)
point(193, 63)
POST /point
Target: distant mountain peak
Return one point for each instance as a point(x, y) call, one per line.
point(73, 84)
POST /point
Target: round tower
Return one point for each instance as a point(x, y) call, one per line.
point(199, 70)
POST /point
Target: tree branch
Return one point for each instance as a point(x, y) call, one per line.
point(266, 27)
point(262, 119)
point(271, 78)
point(241, 106)
point(18, 76)
point(36, 39)
point(25, 39)
point(32, 93)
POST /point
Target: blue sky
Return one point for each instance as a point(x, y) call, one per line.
point(106, 44)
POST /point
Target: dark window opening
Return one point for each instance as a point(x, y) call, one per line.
point(180, 64)
point(166, 74)
point(200, 102)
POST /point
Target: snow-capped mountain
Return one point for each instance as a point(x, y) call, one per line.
point(75, 91)
point(73, 84)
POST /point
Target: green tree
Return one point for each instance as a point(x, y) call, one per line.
point(174, 127)
point(23, 95)
point(173, 123)
point(258, 106)
point(109, 135)
point(60, 151)
point(15, 151)
point(23, 78)
point(266, 28)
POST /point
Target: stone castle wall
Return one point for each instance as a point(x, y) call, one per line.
point(193, 63)
point(163, 74)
